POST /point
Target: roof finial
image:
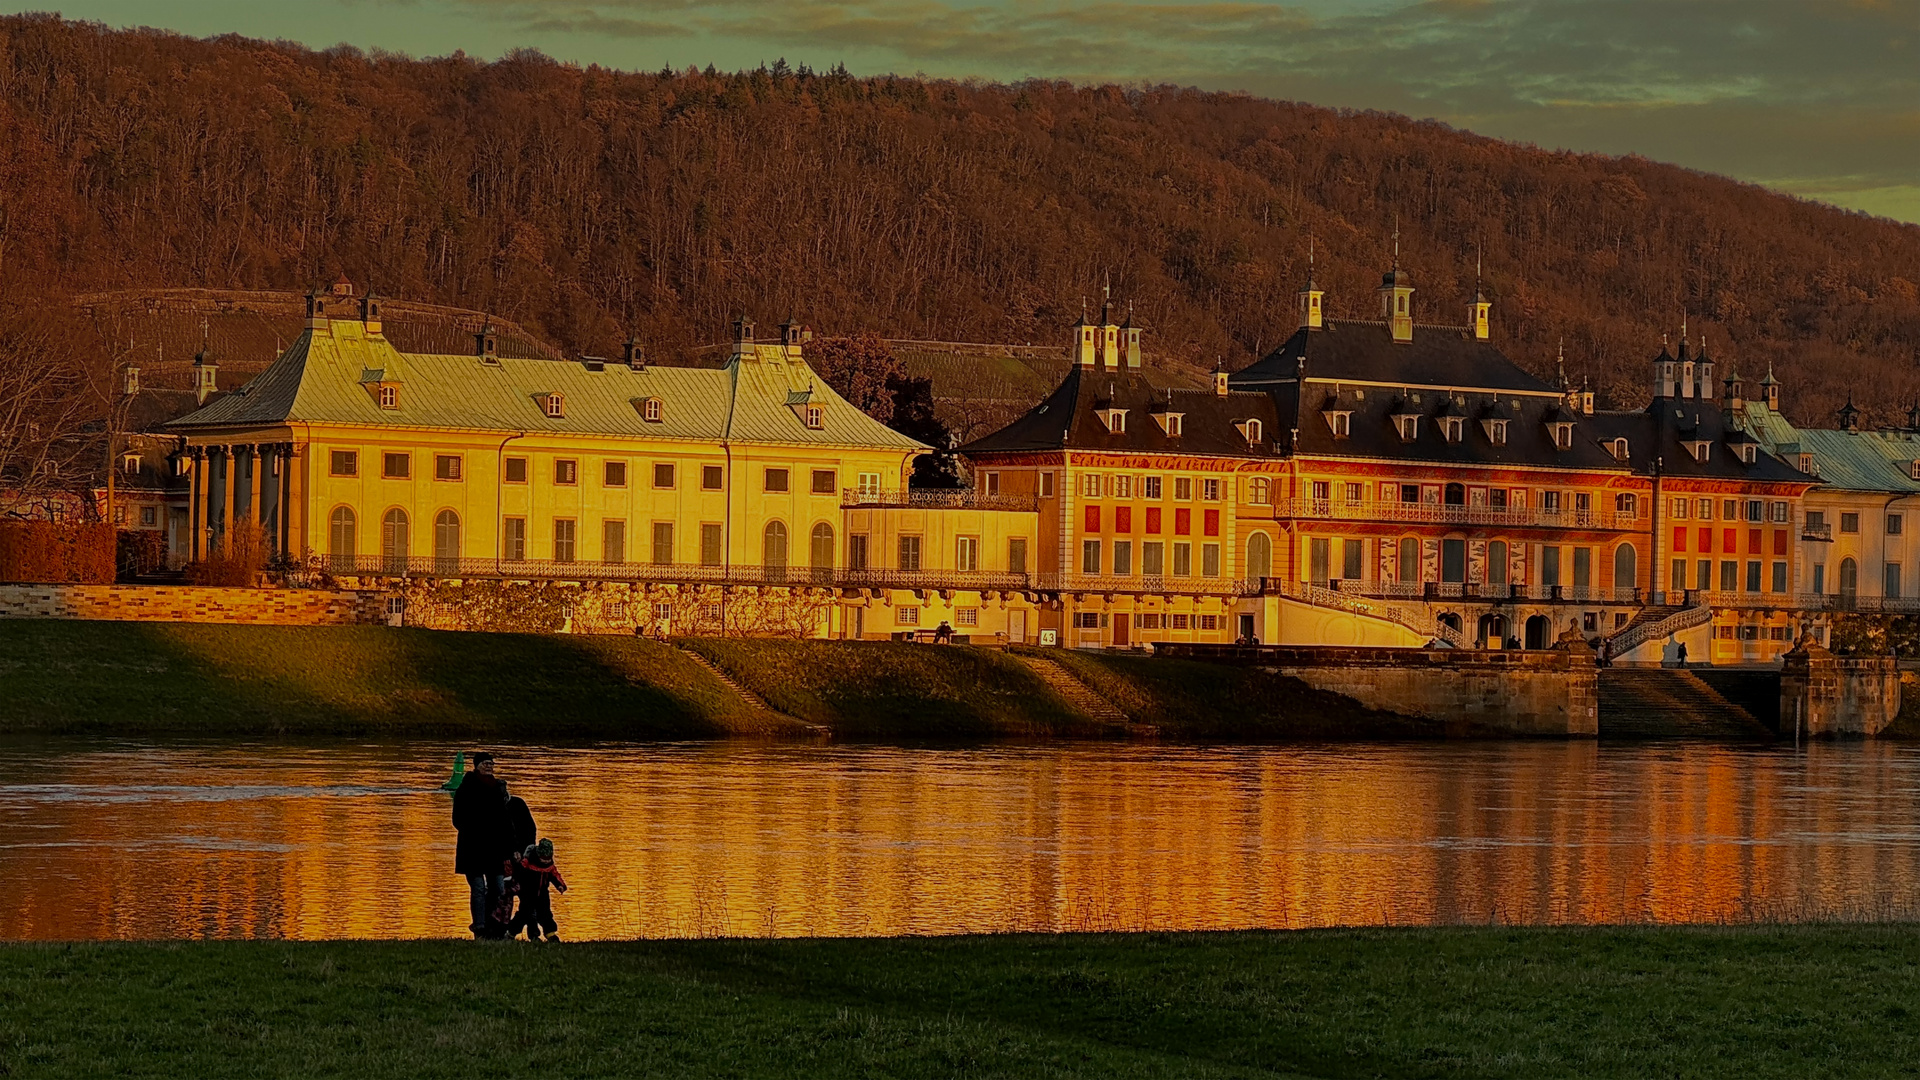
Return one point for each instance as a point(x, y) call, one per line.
point(1560, 364)
point(1396, 239)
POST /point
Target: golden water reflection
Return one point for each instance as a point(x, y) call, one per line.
point(124, 841)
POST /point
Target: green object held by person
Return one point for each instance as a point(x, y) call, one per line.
point(459, 771)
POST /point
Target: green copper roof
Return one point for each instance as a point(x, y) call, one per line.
point(1846, 460)
point(332, 375)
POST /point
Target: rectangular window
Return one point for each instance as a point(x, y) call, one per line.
point(1122, 558)
point(1319, 555)
point(1046, 485)
point(1849, 523)
point(775, 480)
point(711, 545)
point(1678, 579)
point(1123, 487)
point(1210, 560)
point(1756, 510)
point(1497, 499)
point(514, 539)
point(343, 463)
point(1779, 515)
point(1089, 485)
point(1819, 578)
point(663, 612)
point(1677, 508)
point(516, 470)
point(966, 616)
point(1183, 489)
point(1779, 577)
point(1086, 620)
point(1089, 556)
point(613, 474)
point(1729, 510)
point(1893, 580)
point(966, 555)
point(563, 540)
point(1178, 621)
point(1703, 509)
point(990, 483)
point(906, 616)
point(1583, 568)
point(1210, 490)
point(446, 466)
point(1352, 560)
point(1550, 502)
point(909, 553)
point(1153, 558)
point(1182, 560)
point(396, 466)
point(1894, 524)
point(1550, 565)
point(1150, 487)
point(1729, 576)
point(613, 541)
point(1453, 561)
point(1017, 555)
point(662, 474)
point(566, 471)
point(1703, 575)
point(663, 541)
point(712, 477)
point(857, 551)
point(825, 482)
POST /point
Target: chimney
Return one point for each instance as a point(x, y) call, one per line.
point(130, 380)
point(486, 343)
point(316, 310)
point(1477, 315)
point(1219, 382)
point(634, 354)
point(370, 312)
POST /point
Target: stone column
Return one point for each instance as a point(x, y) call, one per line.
point(196, 492)
point(256, 487)
point(284, 505)
point(229, 489)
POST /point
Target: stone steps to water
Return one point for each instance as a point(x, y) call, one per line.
point(753, 701)
point(1077, 693)
point(1669, 703)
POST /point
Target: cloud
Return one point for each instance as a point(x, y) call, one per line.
point(1809, 95)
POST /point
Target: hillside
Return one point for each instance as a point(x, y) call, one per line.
point(579, 202)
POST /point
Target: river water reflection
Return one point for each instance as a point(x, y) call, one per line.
point(120, 840)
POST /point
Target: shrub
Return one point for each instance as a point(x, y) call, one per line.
point(242, 555)
point(141, 551)
point(52, 553)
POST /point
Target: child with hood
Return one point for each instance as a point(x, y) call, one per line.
point(534, 873)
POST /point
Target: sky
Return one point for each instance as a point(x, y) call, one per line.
point(1819, 98)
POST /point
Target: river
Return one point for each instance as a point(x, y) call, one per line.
point(129, 840)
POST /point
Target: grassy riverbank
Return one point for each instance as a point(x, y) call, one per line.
point(126, 678)
point(1789, 1001)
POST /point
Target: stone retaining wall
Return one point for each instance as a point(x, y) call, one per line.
point(1821, 694)
point(187, 603)
point(1554, 692)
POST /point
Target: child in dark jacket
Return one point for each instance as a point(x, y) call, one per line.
point(534, 873)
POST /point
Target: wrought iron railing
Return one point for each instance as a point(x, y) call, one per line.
point(1484, 593)
point(1113, 583)
point(938, 499)
point(680, 573)
point(1425, 513)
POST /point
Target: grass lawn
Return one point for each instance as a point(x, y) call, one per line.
point(1793, 1001)
point(879, 689)
point(128, 678)
point(1188, 699)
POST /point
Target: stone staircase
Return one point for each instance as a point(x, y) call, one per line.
point(1669, 703)
point(754, 701)
point(1078, 694)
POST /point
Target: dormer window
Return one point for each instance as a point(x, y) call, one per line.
point(1913, 469)
point(652, 410)
point(130, 462)
point(1169, 422)
point(815, 417)
point(389, 396)
point(1340, 422)
point(1496, 432)
point(1749, 453)
point(1115, 420)
point(1562, 436)
point(1701, 449)
point(1812, 467)
point(1454, 428)
point(1619, 448)
point(554, 405)
point(1250, 430)
point(1408, 425)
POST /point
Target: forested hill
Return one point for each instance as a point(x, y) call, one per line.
point(581, 201)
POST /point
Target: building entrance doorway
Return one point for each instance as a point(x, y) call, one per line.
point(1122, 621)
point(1493, 631)
point(1017, 625)
point(1537, 630)
point(1246, 628)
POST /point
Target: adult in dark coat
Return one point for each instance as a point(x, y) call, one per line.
point(486, 839)
point(520, 823)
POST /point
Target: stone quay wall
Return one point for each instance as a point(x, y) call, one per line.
point(1828, 695)
point(1553, 692)
point(189, 603)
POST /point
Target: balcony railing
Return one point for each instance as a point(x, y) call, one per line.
point(938, 499)
point(1425, 513)
point(1822, 532)
point(1483, 593)
point(667, 573)
point(1113, 583)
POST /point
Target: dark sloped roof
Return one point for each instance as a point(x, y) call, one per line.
point(1366, 352)
point(1067, 419)
point(1373, 433)
point(1656, 433)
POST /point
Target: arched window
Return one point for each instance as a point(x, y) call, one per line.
point(1849, 577)
point(1497, 562)
point(1259, 491)
point(393, 540)
point(773, 551)
point(1626, 568)
point(1408, 572)
point(1259, 556)
point(822, 552)
point(446, 540)
point(1455, 495)
point(342, 534)
point(1253, 431)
